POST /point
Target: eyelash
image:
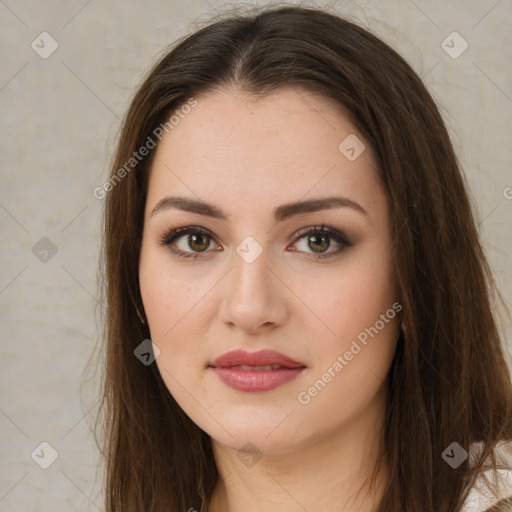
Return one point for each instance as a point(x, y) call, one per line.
point(167, 239)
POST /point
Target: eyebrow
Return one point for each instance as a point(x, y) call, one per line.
point(281, 213)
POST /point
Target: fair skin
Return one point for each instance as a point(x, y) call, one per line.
point(247, 157)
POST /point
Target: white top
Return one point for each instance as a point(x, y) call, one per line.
point(480, 497)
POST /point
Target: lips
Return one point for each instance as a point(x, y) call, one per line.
point(262, 358)
point(257, 371)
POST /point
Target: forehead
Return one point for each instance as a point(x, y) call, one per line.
point(280, 148)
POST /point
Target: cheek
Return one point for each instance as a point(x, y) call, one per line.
point(168, 295)
point(175, 309)
point(362, 298)
point(350, 366)
point(359, 323)
point(353, 295)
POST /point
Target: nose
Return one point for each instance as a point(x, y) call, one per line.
point(254, 296)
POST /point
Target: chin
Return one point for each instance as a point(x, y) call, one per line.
point(251, 441)
point(263, 434)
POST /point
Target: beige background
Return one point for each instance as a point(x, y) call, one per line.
point(60, 116)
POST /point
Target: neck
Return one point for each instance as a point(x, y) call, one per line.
point(331, 472)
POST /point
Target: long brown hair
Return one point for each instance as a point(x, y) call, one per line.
point(449, 380)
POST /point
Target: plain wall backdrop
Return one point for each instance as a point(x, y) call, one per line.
point(60, 112)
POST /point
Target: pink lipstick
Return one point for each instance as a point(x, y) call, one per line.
point(256, 371)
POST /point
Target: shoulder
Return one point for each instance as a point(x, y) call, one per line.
point(504, 505)
point(480, 498)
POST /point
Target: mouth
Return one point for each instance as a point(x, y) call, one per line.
point(256, 372)
point(267, 367)
point(263, 360)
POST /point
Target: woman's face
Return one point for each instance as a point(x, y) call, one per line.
point(255, 277)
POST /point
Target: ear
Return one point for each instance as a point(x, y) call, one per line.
point(404, 329)
point(402, 324)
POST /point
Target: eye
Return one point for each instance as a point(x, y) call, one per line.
point(317, 238)
point(199, 239)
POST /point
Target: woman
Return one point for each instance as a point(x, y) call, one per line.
point(287, 222)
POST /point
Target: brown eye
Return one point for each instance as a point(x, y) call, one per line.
point(318, 241)
point(198, 241)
